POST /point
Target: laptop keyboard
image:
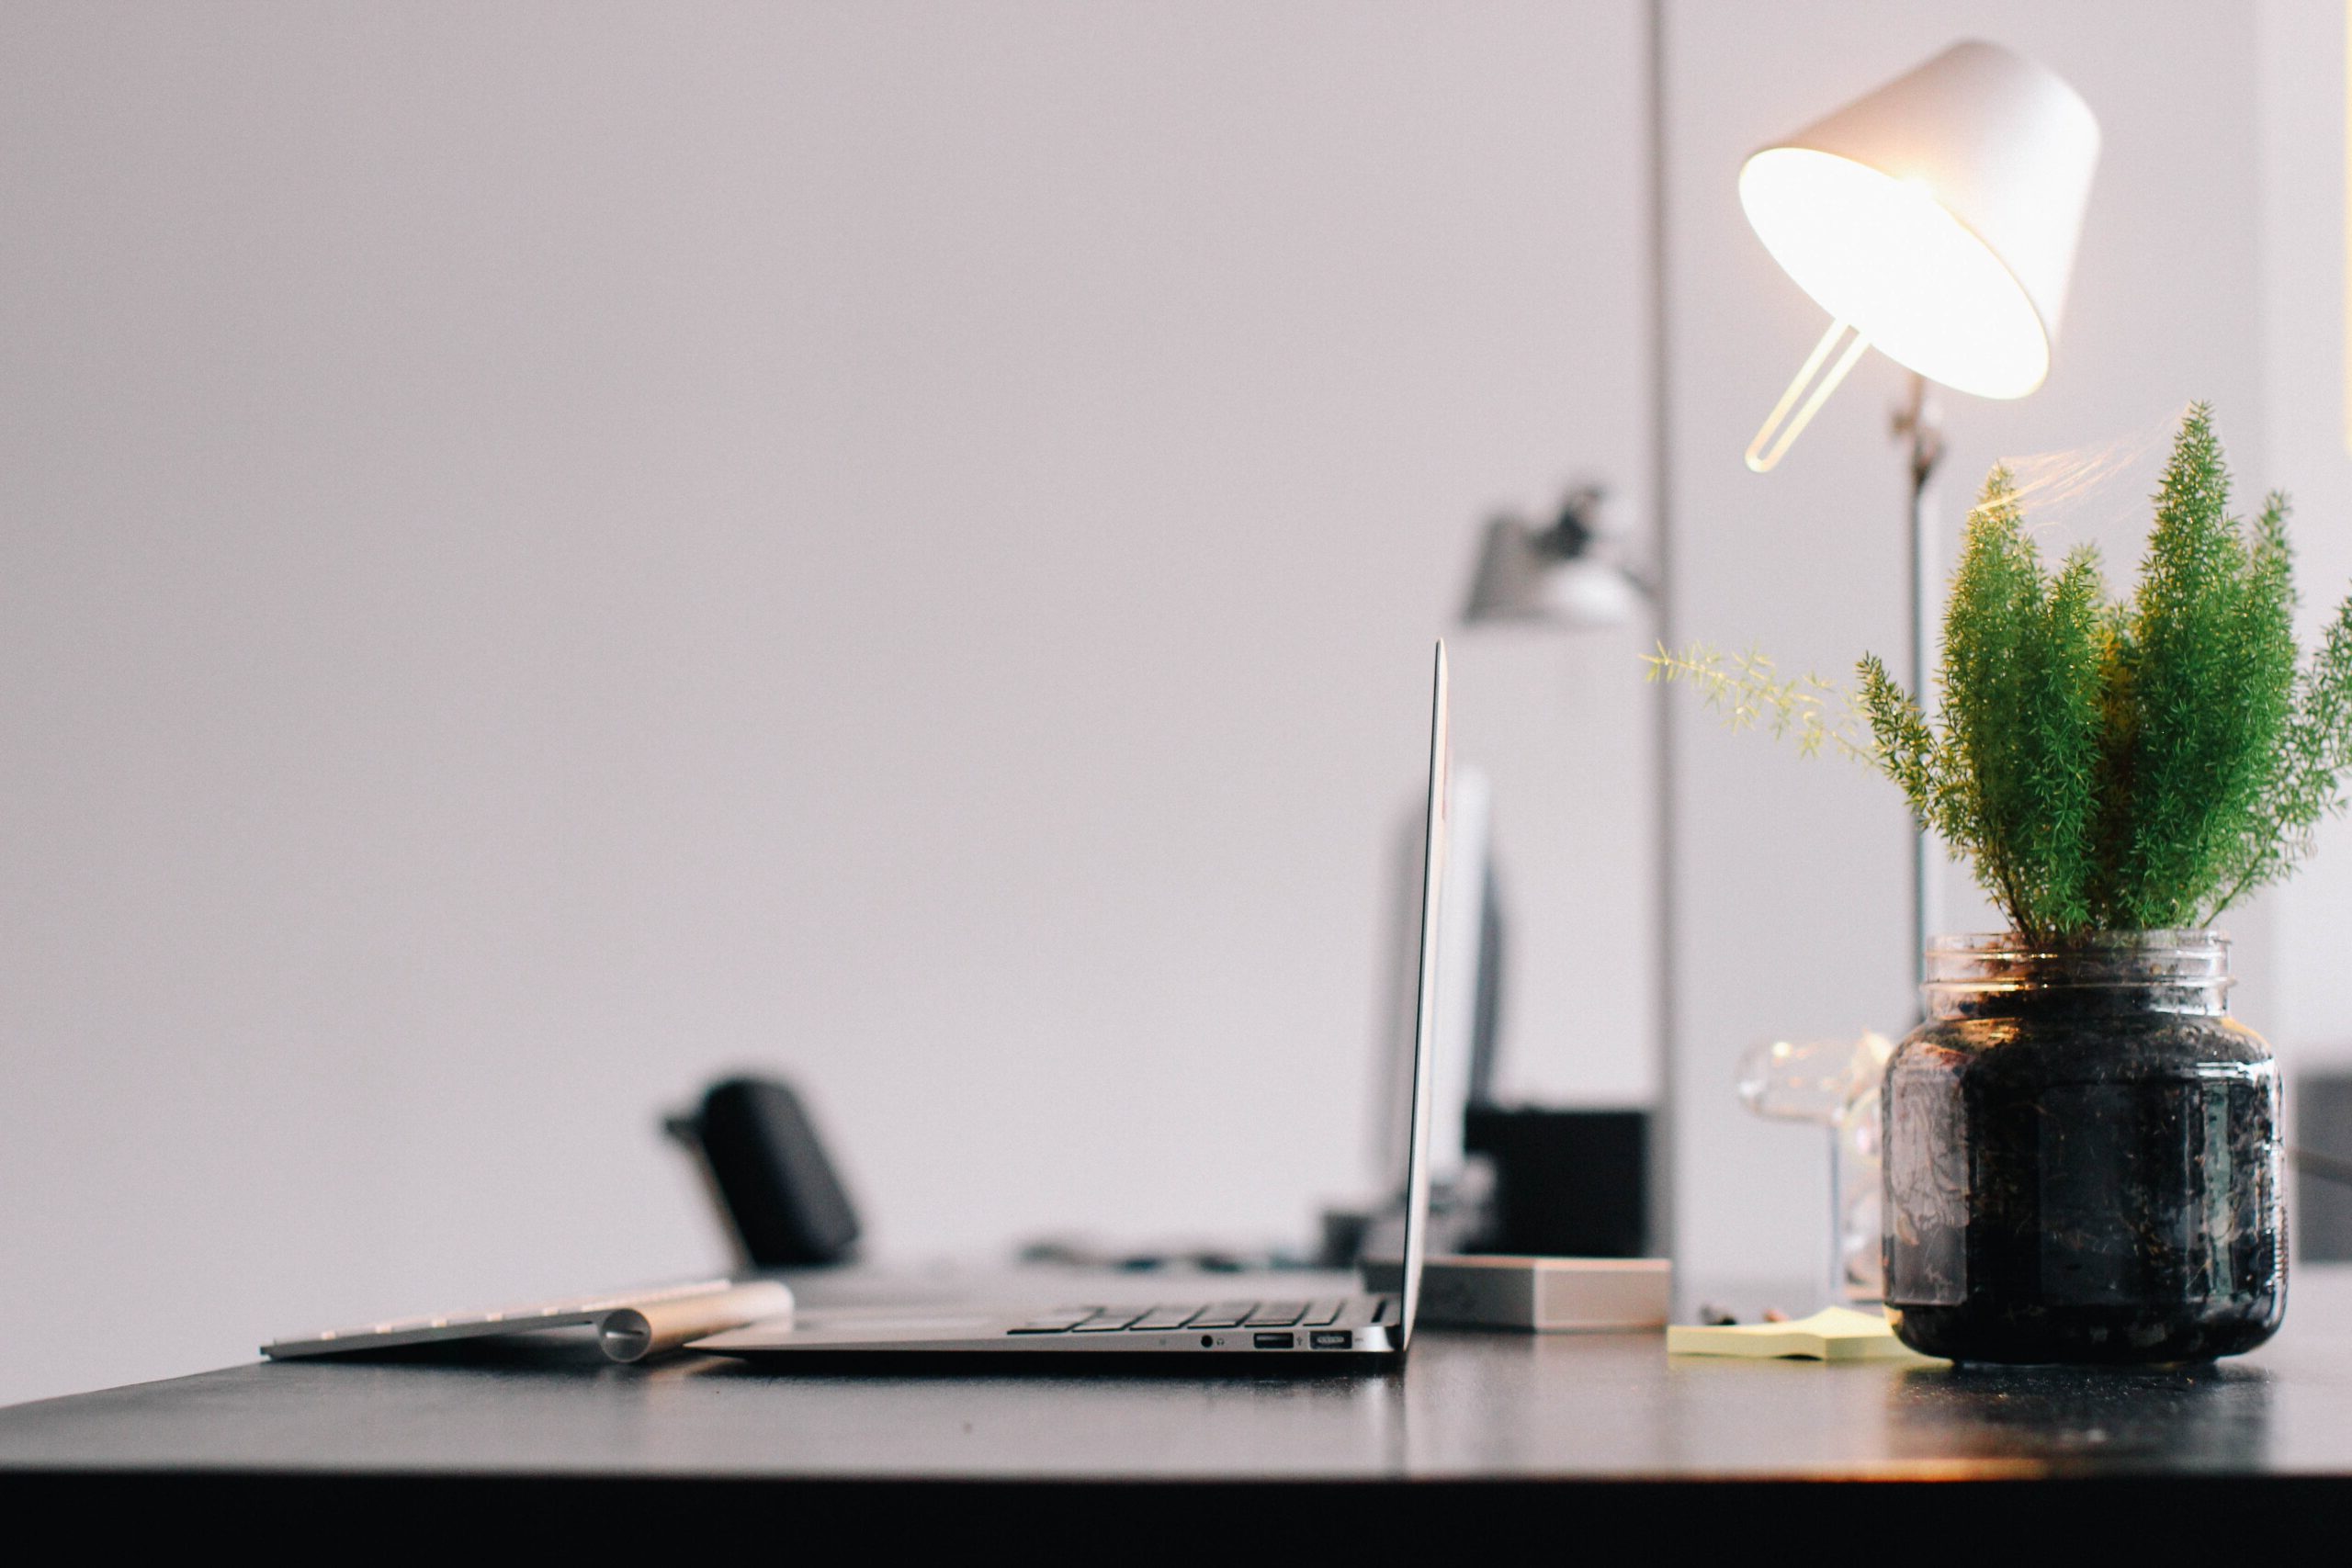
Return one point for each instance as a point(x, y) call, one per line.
point(1213, 1314)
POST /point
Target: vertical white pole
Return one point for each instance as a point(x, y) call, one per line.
point(1918, 420)
point(1665, 1013)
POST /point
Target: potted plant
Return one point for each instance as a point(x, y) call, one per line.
point(2081, 1145)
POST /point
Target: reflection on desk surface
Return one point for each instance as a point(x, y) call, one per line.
point(2207, 1418)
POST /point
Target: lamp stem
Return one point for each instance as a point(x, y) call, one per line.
point(1918, 423)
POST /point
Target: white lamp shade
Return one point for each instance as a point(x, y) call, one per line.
point(1938, 216)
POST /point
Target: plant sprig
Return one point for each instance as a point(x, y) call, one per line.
point(2102, 765)
point(1750, 694)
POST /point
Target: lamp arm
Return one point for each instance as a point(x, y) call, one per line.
point(1574, 537)
point(1572, 532)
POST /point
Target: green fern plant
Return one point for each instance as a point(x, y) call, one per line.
point(2103, 765)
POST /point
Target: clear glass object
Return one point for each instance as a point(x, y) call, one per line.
point(2083, 1162)
point(1833, 1084)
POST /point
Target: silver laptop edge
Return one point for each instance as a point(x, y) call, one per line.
point(1416, 1163)
point(1365, 1324)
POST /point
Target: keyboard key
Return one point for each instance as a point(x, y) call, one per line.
point(1320, 1313)
point(1222, 1315)
point(1165, 1317)
point(1108, 1320)
point(1061, 1320)
point(1277, 1315)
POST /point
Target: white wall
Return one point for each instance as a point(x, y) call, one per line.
point(554, 550)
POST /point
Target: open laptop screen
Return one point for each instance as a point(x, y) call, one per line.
point(1417, 1165)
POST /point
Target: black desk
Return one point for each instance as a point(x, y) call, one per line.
point(1561, 1427)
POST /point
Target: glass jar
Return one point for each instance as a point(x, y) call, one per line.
point(1833, 1084)
point(2082, 1156)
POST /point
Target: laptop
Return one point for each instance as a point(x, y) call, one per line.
point(1259, 1322)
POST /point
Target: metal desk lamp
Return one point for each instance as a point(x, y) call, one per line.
point(1936, 218)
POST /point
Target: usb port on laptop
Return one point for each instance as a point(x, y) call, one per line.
point(1274, 1341)
point(1331, 1338)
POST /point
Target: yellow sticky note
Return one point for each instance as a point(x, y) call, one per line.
point(1833, 1334)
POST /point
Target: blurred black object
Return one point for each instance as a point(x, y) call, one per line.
point(1566, 1183)
point(769, 1173)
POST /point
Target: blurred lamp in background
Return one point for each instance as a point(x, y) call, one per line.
point(1567, 575)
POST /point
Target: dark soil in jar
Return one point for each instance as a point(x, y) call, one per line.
point(2084, 1174)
